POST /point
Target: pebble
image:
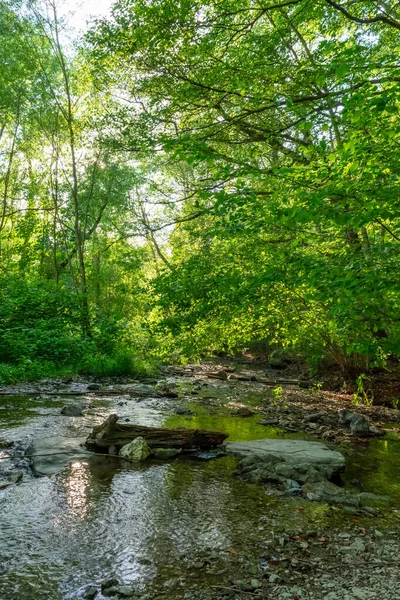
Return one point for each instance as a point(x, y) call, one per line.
point(109, 583)
point(256, 584)
point(90, 593)
point(126, 591)
point(93, 386)
point(359, 593)
point(357, 546)
point(170, 584)
point(242, 584)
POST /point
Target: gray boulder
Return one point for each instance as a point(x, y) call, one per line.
point(135, 451)
point(360, 425)
point(274, 469)
point(299, 473)
point(73, 410)
point(326, 491)
point(295, 452)
point(346, 416)
point(48, 455)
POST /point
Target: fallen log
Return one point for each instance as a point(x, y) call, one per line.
point(112, 433)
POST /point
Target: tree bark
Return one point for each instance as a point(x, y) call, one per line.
point(111, 433)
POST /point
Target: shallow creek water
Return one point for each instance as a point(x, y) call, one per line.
point(151, 523)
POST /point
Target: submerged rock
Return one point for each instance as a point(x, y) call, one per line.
point(16, 477)
point(243, 412)
point(182, 410)
point(90, 593)
point(270, 422)
point(135, 451)
point(109, 583)
point(165, 453)
point(166, 390)
point(126, 591)
point(327, 491)
point(207, 454)
point(6, 444)
point(374, 501)
point(48, 455)
point(294, 467)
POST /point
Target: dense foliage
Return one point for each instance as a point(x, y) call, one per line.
point(201, 175)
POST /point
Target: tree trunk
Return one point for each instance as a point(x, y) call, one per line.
point(111, 433)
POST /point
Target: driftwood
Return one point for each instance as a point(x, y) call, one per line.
point(112, 433)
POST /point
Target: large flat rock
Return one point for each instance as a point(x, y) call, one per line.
point(298, 452)
point(49, 455)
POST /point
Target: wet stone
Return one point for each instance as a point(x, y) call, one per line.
point(357, 546)
point(48, 455)
point(126, 591)
point(243, 412)
point(73, 410)
point(6, 444)
point(109, 583)
point(137, 450)
point(111, 591)
point(270, 422)
point(90, 593)
point(165, 453)
point(16, 477)
point(256, 584)
point(360, 425)
point(374, 501)
point(182, 410)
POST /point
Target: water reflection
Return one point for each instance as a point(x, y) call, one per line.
point(102, 517)
point(377, 466)
point(76, 486)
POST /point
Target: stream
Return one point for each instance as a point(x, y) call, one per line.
point(167, 528)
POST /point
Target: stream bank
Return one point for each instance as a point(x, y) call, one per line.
point(186, 528)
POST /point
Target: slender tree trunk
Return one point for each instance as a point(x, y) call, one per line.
point(54, 194)
point(8, 172)
point(85, 313)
